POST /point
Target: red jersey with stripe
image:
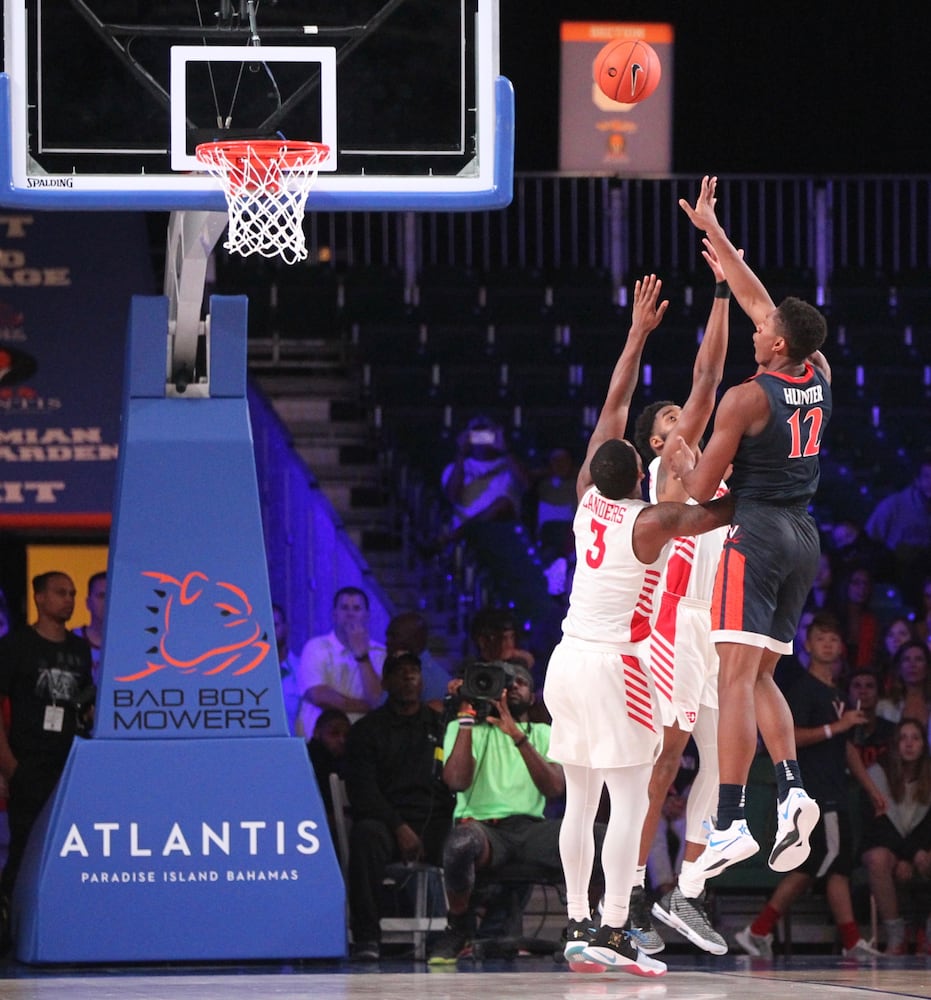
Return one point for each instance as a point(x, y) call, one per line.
point(688, 575)
point(612, 591)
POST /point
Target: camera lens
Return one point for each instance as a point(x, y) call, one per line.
point(482, 682)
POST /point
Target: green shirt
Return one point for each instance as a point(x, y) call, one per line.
point(501, 785)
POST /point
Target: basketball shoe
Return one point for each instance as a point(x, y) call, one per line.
point(797, 815)
point(757, 945)
point(640, 926)
point(726, 847)
point(690, 919)
point(617, 951)
point(579, 935)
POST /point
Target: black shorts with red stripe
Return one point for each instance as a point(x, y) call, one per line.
point(765, 572)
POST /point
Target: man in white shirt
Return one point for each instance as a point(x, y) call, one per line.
point(341, 669)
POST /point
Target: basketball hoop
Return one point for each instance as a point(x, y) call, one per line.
point(266, 183)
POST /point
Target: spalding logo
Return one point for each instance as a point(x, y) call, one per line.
point(204, 628)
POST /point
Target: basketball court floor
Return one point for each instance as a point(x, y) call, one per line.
point(690, 977)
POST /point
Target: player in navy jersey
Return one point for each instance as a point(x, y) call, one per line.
point(770, 429)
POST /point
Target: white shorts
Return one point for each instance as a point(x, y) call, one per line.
point(604, 707)
point(683, 660)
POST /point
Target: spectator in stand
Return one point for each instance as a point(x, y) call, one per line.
point(96, 602)
point(554, 490)
point(860, 625)
point(823, 729)
point(898, 632)
point(341, 669)
point(408, 632)
point(873, 737)
point(485, 486)
point(897, 842)
point(327, 752)
point(494, 632)
point(821, 595)
point(401, 810)
point(791, 666)
point(871, 740)
point(910, 693)
point(923, 621)
point(290, 665)
point(486, 482)
point(902, 523)
point(851, 546)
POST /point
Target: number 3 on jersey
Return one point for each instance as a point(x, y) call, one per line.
point(814, 418)
point(596, 553)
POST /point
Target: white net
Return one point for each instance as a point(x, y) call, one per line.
point(266, 183)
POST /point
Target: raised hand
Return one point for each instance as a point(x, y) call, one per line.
point(712, 259)
point(648, 312)
point(702, 215)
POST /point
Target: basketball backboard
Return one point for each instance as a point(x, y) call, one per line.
point(107, 99)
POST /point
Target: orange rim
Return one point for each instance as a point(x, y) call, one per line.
point(273, 157)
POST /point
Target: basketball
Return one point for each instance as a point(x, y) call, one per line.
point(627, 70)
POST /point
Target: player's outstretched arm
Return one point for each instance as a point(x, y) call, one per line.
point(706, 377)
point(658, 523)
point(746, 286)
point(646, 316)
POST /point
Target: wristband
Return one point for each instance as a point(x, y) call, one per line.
point(466, 721)
point(519, 743)
point(828, 734)
point(722, 290)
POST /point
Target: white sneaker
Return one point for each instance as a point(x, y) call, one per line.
point(862, 951)
point(726, 847)
point(798, 815)
point(757, 945)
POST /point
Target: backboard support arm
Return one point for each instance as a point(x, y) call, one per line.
point(192, 235)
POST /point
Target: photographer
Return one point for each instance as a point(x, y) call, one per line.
point(497, 762)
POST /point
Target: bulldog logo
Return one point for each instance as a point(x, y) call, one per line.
point(203, 628)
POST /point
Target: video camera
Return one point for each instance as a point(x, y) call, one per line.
point(482, 684)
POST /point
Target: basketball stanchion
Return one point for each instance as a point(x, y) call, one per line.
point(266, 183)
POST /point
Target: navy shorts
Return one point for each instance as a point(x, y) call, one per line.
point(765, 572)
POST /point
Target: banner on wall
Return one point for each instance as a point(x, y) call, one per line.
point(598, 135)
point(66, 280)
